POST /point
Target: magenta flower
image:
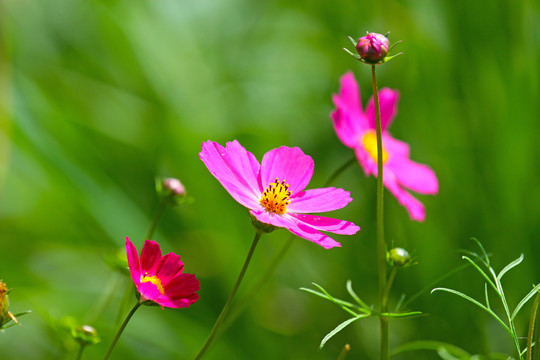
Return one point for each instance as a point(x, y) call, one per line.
point(373, 47)
point(160, 278)
point(274, 192)
point(356, 129)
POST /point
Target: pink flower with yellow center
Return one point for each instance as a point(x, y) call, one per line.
point(160, 278)
point(274, 192)
point(356, 129)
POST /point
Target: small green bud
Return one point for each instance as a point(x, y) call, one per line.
point(85, 335)
point(399, 257)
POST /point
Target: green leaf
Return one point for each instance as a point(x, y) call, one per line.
point(475, 302)
point(482, 272)
point(356, 297)
point(353, 41)
point(409, 314)
point(445, 355)
point(351, 53)
point(339, 328)
point(339, 302)
point(523, 301)
point(510, 266)
point(485, 260)
point(388, 58)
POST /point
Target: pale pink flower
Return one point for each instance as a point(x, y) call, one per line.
point(274, 192)
point(160, 278)
point(356, 129)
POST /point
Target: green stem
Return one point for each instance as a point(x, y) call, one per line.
point(227, 306)
point(79, 354)
point(159, 212)
point(344, 352)
point(381, 245)
point(122, 327)
point(384, 303)
point(274, 263)
point(531, 328)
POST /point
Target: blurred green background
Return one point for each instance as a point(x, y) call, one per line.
point(99, 97)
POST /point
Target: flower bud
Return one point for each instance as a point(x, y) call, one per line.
point(4, 305)
point(174, 186)
point(399, 257)
point(5, 315)
point(172, 190)
point(373, 47)
point(85, 335)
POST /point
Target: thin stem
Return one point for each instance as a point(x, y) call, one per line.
point(122, 327)
point(79, 354)
point(274, 263)
point(381, 245)
point(389, 283)
point(344, 352)
point(511, 325)
point(531, 327)
point(227, 306)
point(338, 172)
point(159, 212)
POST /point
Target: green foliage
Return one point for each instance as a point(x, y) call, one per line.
point(97, 98)
point(359, 310)
point(494, 281)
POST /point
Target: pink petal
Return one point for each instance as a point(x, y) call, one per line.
point(348, 118)
point(412, 175)
point(388, 101)
point(178, 303)
point(296, 227)
point(150, 255)
point(168, 267)
point(322, 223)
point(393, 146)
point(149, 291)
point(289, 164)
point(133, 261)
point(319, 200)
point(414, 207)
point(181, 286)
point(365, 160)
point(235, 168)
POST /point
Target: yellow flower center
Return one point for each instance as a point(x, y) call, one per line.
point(154, 280)
point(369, 140)
point(276, 197)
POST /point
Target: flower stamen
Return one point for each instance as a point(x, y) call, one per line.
point(154, 280)
point(369, 140)
point(276, 197)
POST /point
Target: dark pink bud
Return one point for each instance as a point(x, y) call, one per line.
point(373, 47)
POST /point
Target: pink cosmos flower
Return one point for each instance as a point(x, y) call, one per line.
point(274, 192)
point(356, 129)
point(160, 278)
